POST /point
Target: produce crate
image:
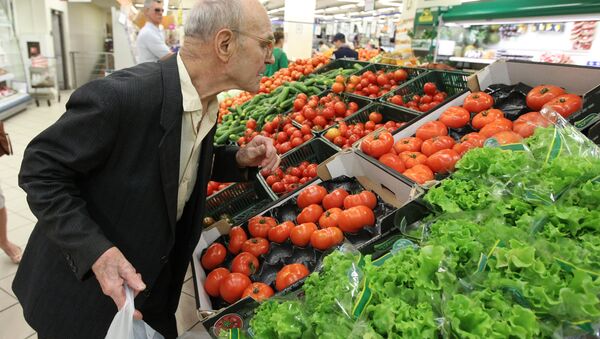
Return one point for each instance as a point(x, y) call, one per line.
point(239, 201)
point(340, 63)
point(388, 113)
point(314, 151)
point(451, 82)
point(411, 71)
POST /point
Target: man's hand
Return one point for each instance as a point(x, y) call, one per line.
point(113, 271)
point(259, 152)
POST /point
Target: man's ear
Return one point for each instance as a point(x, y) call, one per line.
point(225, 44)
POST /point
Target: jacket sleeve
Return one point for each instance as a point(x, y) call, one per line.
point(226, 169)
point(79, 142)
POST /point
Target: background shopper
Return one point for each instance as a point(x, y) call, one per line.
point(343, 51)
point(150, 42)
point(281, 60)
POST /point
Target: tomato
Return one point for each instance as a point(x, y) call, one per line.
point(397, 100)
point(321, 239)
point(377, 144)
point(455, 117)
point(337, 235)
point(478, 101)
point(310, 213)
point(281, 232)
point(540, 95)
point(485, 117)
point(393, 161)
point(443, 161)
point(340, 79)
point(411, 159)
point(258, 291)
point(527, 123)
point(507, 137)
point(330, 218)
point(429, 88)
point(289, 274)
point(245, 263)
point(431, 129)
point(473, 138)
point(335, 198)
point(462, 147)
point(237, 237)
point(425, 99)
point(300, 235)
point(259, 226)
point(375, 117)
point(271, 179)
point(356, 218)
point(435, 144)
point(251, 124)
point(382, 80)
point(256, 246)
point(400, 75)
point(214, 256)
point(213, 281)
point(337, 87)
point(312, 194)
point(339, 108)
point(233, 286)
point(298, 105)
point(565, 104)
point(498, 125)
point(278, 187)
point(419, 173)
point(412, 144)
point(364, 198)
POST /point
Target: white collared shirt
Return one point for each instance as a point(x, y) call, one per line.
point(151, 44)
point(191, 140)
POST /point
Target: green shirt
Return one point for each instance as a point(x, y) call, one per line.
point(281, 61)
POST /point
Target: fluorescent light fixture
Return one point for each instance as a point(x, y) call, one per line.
point(348, 6)
point(276, 10)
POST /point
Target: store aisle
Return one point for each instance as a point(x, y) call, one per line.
point(22, 128)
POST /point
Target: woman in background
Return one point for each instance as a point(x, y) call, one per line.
point(281, 60)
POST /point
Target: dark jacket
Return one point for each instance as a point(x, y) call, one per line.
point(106, 173)
point(345, 52)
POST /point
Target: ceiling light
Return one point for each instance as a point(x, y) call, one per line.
point(348, 6)
point(275, 10)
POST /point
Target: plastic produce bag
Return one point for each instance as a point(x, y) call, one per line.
point(510, 99)
point(124, 326)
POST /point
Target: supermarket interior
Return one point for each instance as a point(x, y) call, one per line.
point(395, 169)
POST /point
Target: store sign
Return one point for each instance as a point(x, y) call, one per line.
point(426, 17)
point(369, 5)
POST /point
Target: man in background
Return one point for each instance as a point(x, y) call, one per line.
point(343, 51)
point(150, 42)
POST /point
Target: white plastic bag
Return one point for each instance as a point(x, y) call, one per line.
point(124, 326)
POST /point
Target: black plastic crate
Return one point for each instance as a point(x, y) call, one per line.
point(411, 71)
point(451, 82)
point(314, 151)
point(341, 63)
point(388, 112)
point(239, 201)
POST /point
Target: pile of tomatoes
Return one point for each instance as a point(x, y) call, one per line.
point(367, 54)
point(293, 177)
point(285, 135)
point(214, 187)
point(370, 84)
point(232, 102)
point(554, 97)
point(293, 72)
point(345, 135)
point(431, 98)
point(319, 114)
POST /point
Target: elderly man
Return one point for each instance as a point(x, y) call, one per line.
point(150, 41)
point(118, 183)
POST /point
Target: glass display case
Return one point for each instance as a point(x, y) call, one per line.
point(13, 79)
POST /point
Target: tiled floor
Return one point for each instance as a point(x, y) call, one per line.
point(22, 128)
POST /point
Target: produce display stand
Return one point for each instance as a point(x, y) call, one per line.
point(342, 64)
point(238, 202)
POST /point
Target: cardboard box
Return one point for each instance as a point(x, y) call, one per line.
point(584, 81)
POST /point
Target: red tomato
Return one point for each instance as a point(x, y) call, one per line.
point(540, 95)
point(298, 105)
point(337, 235)
point(411, 159)
point(313, 194)
point(455, 117)
point(377, 144)
point(364, 198)
point(435, 144)
point(400, 75)
point(507, 137)
point(245, 263)
point(278, 187)
point(339, 108)
point(375, 117)
point(259, 226)
point(478, 101)
point(397, 100)
point(419, 173)
point(462, 147)
point(431, 129)
point(310, 213)
point(258, 291)
point(321, 239)
point(271, 179)
point(330, 218)
point(281, 232)
point(565, 104)
point(213, 281)
point(214, 256)
point(485, 117)
point(498, 125)
point(526, 124)
point(430, 88)
point(256, 246)
point(473, 138)
point(393, 161)
point(237, 237)
point(443, 161)
point(337, 87)
point(251, 124)
point(300, 235)
point(335, 199)
point(355, 218)
point(289, 274)
point(411, 144)
point(233, 286)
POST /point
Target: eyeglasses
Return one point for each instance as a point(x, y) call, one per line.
point(158, 10)
point(267, 44)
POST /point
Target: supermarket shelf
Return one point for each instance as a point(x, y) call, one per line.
point(13, 104)
point(473, 60)
point(7, 76)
